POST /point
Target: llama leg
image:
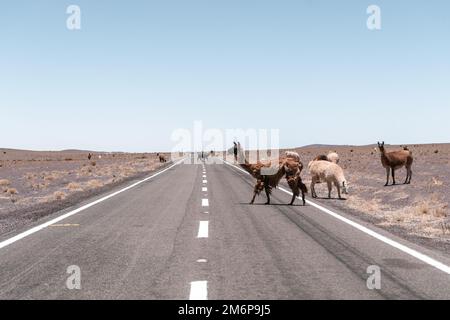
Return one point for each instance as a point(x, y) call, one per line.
point(410, 175)
point(253, 199)
point(387, 175)
point(393, 175)
point(257, 189)
point(292, 200)
point(338, 187)
point(330, 186)
point(407, 175)
point(301, 186)
point(313, 191)
point(267, 189)
point(295, 190)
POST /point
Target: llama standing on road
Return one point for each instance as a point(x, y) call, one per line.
point(268, 175)
point(395, 160)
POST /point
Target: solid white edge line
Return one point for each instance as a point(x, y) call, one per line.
point(203, 229)
point(414, 253)
point(199, 290)
point(24, 234)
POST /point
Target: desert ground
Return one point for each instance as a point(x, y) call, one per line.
point(34, 184)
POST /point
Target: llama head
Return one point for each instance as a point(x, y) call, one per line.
point(345, 188)
point(381, 146)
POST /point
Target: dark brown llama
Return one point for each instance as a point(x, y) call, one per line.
point(268, 176)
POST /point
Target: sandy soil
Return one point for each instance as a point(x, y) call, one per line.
point(35, 184)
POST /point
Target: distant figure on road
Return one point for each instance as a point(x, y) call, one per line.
point(235, 151)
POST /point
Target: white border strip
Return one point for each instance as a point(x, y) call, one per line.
point(420, 256)
point(71, 213)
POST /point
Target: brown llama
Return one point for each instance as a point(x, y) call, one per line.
point(293, 169)
point(268, 177)
point(395, 160)
point(162, 158)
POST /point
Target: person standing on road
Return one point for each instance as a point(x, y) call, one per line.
point(235, 151)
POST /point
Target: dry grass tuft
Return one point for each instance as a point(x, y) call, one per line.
point(432, 208)
point(29, 175)
point(437, 182)
point(4, 182)
point(59, 195)
point(73, 186)
point(92, 184)
point(423, 208)
point(11, 191)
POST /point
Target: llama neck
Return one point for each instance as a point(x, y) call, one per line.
point(247, 167)
point(384, 159)
point(241, 157)
point(280, 173)
point(273, 180)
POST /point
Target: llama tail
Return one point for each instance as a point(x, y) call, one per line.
point(302, 186)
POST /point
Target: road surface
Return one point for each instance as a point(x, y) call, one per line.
point(189, 232)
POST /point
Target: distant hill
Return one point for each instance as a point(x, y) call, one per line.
point(49, 151)
point(80, 151)
point(326, 145)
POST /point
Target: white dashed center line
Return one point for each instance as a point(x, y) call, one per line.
point(203, 229)
point(199, 290)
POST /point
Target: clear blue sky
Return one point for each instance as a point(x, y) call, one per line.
point(138, 70)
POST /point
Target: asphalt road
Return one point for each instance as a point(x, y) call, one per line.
point(144, 243)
